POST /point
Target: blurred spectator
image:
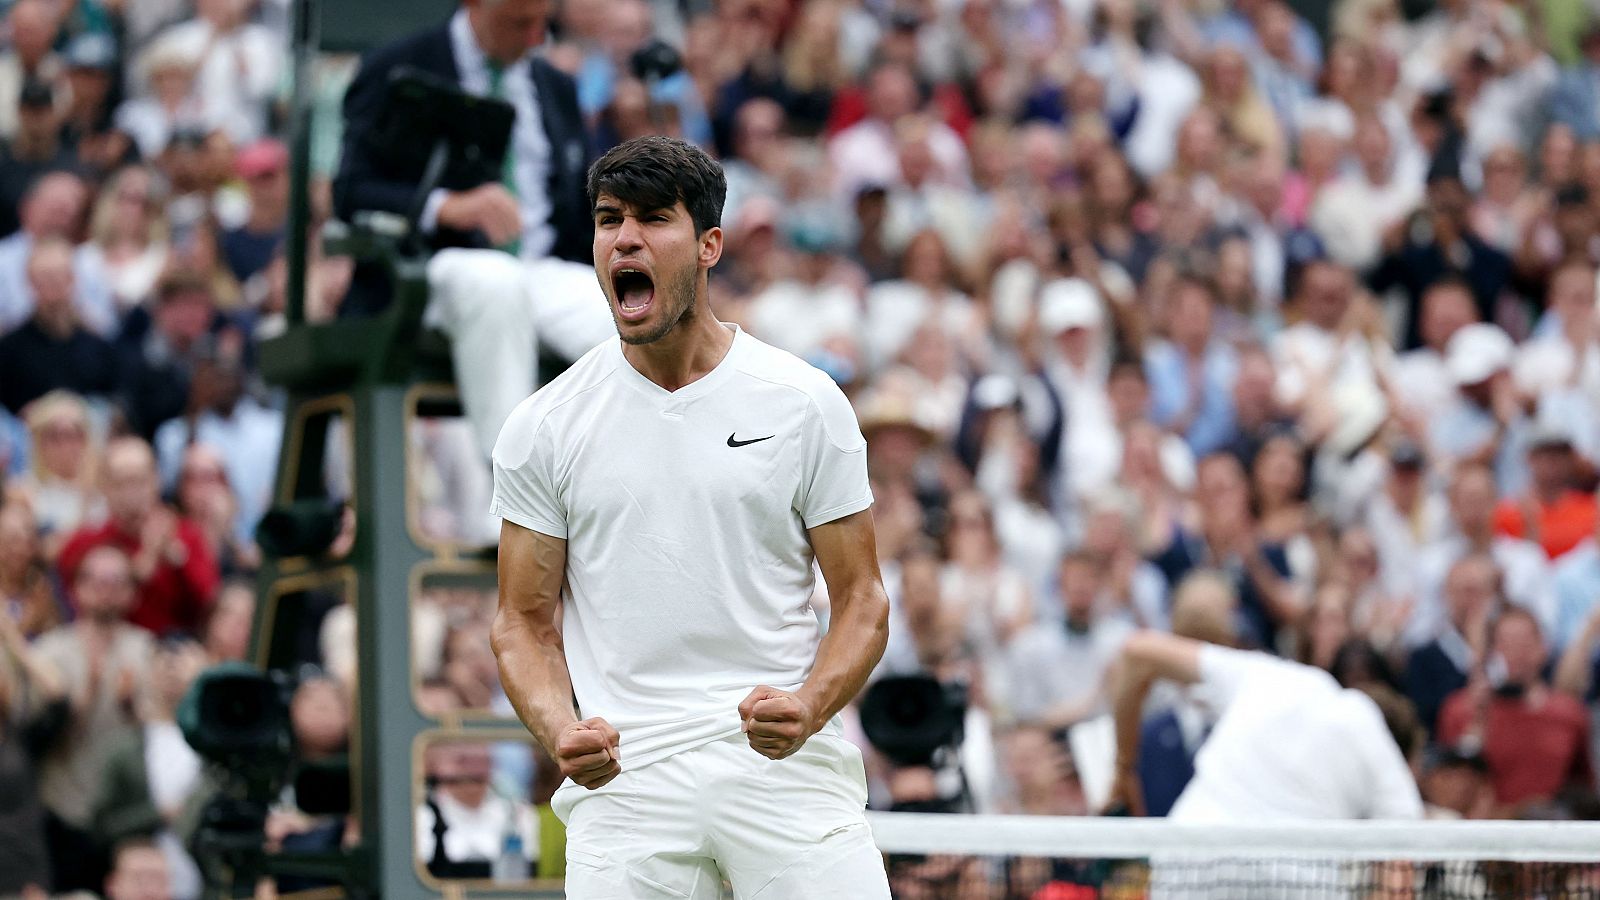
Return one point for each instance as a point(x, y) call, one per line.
point(1455, 784)
point(1439, 668)
point(204, 498)
point(463, 823)
point(128, 235)
point(220, 415)
point(1575, 102)
point(1483, 424)
point(174, 571)
point(1438, 241)
point(61, 486)
point(33, 712)
point(27, 587)
point(1557, 371)
point(248, 249)
point(1525, 570)
point(1553, 513)
point(1421, 380)
point(238, 66)
point(865, 153)
point(1226, 539)
point(1356, 210)
point(1535, 740)
point(159, 347)
point(169, 106)
point(33, 27)
point(36, 149)
point(91, 61)
point(53, 208)
point(1191, 373)
point(104, 662)
point(52, 350)
point(1058, 666)
point(151, 772)
point(226, 637)
point(139, 871)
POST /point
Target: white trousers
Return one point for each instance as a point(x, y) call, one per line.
point(790, 829)
point(498, 310)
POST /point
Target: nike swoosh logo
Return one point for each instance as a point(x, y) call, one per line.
point(734, 443)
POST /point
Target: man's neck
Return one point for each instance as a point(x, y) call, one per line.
point(57, 326)
point(686, 354)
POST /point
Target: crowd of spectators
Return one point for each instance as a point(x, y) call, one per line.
point(1125, 293)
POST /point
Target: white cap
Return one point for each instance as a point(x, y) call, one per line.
point(1330, 116)
point(1068, 303)
point(1477, 352)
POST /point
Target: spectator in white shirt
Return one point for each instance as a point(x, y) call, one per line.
point(1420, 381)
point(1352, 214)
point(1524, 568)
point(32, 26)
point(240, 65)
point(1560, 372)
point(1058, 665)
point(464, 820)
point(1334, 343)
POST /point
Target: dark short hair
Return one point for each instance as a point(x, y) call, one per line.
point(655, 172)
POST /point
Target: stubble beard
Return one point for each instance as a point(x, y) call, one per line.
point(681, 290)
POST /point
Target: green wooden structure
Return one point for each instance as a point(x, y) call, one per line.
point(368, 380)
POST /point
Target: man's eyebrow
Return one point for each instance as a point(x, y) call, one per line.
point(606, 208)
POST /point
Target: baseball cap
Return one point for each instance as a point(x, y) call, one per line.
point(261, 157)
point(1068, 303)
point(1477, 352)
point(1549, 436)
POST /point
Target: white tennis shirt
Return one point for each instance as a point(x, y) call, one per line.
point(689, 572)
point(1291, 744)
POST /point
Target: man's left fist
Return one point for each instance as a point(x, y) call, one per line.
point(777, 722)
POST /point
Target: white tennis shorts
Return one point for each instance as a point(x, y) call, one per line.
point(790, 829)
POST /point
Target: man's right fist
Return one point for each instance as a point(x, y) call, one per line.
point(587, 752)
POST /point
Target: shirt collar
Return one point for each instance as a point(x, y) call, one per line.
point(469, 56)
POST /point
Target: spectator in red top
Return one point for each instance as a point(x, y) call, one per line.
point(1554, 513)
point(1535, 740)
point(175, 570)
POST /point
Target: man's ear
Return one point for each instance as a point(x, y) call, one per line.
point(710, 246)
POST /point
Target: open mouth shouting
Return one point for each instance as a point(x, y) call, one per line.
point(635, 290)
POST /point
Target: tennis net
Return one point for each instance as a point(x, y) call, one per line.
point(967, 857)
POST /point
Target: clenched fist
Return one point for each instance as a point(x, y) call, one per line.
point(587, 752)
point(776, 722)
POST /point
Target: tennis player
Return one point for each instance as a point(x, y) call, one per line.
point(663, 502)
point(1289, 744)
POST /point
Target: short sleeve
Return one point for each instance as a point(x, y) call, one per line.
point(525, 488)
point(833, 479)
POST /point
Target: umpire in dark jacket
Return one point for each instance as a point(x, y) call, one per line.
point(507, 274)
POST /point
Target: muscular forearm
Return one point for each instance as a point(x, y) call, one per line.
point(1132, 686)
point(852, 647)
point(533, 671)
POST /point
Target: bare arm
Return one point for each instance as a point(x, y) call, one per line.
point(778, 722)
point(1573, 671)
point(847, 550)
point(1146, 657)
point(533, 663)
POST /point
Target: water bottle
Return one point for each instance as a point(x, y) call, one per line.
point(512, 864)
